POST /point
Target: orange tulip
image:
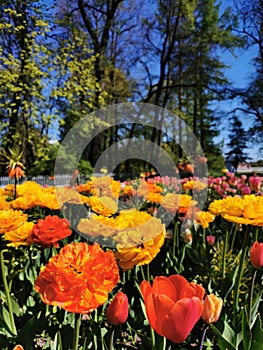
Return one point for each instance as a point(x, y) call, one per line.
point(212, 308)
point(117, 311)
point(18, 347)
point(173, 306)
point(256, 255)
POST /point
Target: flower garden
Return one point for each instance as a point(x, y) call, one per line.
point(133, 265)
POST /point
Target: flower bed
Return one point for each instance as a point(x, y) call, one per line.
point(153, 263)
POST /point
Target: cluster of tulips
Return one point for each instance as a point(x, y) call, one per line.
point(140, 264)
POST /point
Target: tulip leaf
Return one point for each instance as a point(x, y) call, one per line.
point(255, 306)
point(5, 320)
point(226, 337)
point(229, 282)
point(57, 344)
point(246, 332)
point(257, 335)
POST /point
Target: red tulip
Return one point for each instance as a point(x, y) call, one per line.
point(173, 306)
point(256, 255)
point(117, 311)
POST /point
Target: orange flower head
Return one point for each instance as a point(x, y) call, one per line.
point(256, 255)
point(97, 225)
point(102, 205)
point(139, 244)
point(194, 184)
point(11, 219)
point(106, 186)
point(173, 306)
point(174, 202)
point(4, 205)
point(49, 231)
point(117, 311)
point(20, 236)
point(28, 188)
point(79, 278)
point(16, 172)
point(18, 347)
point(23, 202)
point(69, 195)
point(247, 210)
point(204, 218)
point(212, 308)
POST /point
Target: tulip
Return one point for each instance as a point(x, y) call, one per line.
point(18, 347)
point(256, 255)
point(173, 306)
point(117, 311)
point(210, 239)
point(212, 308)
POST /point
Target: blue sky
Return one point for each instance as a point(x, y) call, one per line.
point(239, 73)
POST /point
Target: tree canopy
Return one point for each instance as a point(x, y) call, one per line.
point(62, 63)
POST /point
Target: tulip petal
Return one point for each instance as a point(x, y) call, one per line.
point(145, 288)
point(181, 319)
point(162, 285)
point(194, 290)
point(179, 283)
point(157, 308)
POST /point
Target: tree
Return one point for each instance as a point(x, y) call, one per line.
point(238, 142)
point(25, 74)
point(88, 50)
point(250, 26)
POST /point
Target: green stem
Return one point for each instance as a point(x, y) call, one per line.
point(142, 272)
point(148, 273)
point(164, 343)
point(153, 344)
point(77, 322)
point(112, 340)
point(224, 255)
point(251, 296)
point(175, 237)
point(7, 294)
point(234, 237)
point(256, 234)
point(15, 186)
point(239, 275)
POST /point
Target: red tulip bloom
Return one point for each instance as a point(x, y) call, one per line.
point(173, 306)
point(256, 255)
point(117, 311)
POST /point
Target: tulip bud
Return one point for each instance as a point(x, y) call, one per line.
point(212, 308)
point(117, 311)
point(210, 239)
point(18, 347)
point(256, 255)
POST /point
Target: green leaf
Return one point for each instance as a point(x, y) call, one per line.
point(226, 336)
point(57, 344)
point(5, 321)
point(257, 334)
point(31, 327)
point(246, 332)
point(255, 306)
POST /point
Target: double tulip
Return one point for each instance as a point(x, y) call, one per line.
point(173, 306)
